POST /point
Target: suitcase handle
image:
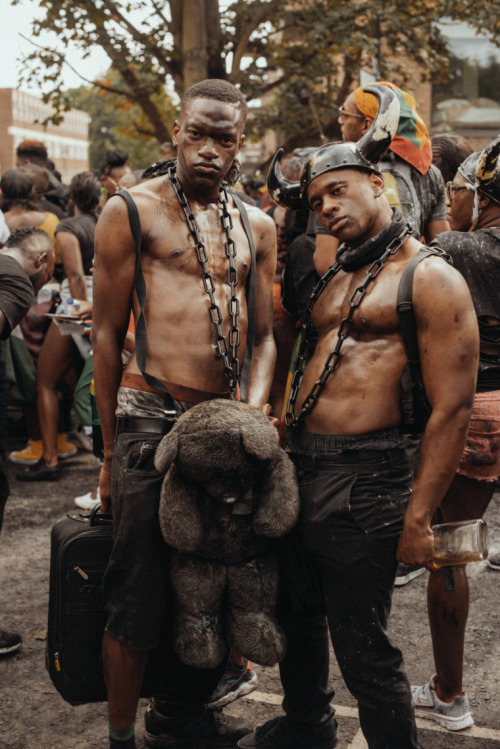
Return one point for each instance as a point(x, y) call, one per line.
point(99, 518)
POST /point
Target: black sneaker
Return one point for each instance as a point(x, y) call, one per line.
point(236, 681)
point(211, 728)
point(279, 733)
point(128, 744)
point(406, 574)
point(40, 472)
point(9, 642)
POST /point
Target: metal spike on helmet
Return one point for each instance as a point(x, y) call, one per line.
point(375, 143)
point(283, 191)
point(468, 167)
point(362, 155)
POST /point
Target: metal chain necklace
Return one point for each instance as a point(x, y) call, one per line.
point(343, 332)
point(231, 365)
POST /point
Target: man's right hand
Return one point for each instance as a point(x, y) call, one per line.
point(105, 487)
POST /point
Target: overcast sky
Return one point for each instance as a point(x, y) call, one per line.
point(17, 19)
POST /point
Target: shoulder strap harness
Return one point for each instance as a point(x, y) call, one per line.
point(140, 288)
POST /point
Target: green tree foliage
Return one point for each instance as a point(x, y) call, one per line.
point(117, 122)
point(268, 47)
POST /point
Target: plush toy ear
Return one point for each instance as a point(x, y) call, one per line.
point(261, 443)
point(166, 452)
point(277, 499)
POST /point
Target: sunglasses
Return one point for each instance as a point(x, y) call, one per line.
point(343, 113)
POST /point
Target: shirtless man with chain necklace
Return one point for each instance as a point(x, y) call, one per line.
point(196, 262)
point(358, 515)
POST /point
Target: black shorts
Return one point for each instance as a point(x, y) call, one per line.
point(135, 585)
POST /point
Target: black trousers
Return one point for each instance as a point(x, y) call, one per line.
point(339, 572)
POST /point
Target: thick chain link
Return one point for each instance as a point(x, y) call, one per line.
point(343, 332)
point(231, 365)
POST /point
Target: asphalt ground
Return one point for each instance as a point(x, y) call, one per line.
point(34, 716)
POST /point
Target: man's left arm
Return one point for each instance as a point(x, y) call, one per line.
point(437, 222)
point(264, 350)
point(448, 342)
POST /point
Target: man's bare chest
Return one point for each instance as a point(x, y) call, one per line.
point(372, 306)
point(203, 246)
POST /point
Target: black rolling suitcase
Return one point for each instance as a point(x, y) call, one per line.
point(80, 549)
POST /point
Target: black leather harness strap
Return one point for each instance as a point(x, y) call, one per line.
point(140, 288)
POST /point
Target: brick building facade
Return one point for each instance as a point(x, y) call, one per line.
point(20, 119)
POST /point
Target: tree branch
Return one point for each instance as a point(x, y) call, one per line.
point(138, 36)
point(258, 16)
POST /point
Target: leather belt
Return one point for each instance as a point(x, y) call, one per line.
point(144, 424)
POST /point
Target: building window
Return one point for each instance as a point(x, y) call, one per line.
point(469, 101)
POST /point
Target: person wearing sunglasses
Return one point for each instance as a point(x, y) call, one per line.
point(412, 182)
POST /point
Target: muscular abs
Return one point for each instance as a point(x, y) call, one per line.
point(363, 394)
point(180, 335)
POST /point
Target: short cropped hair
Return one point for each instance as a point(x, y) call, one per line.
point(18, 188)
point(218, 89)
point(20, 238)
point(32, 150)
point(449, 150)
point(85, 190)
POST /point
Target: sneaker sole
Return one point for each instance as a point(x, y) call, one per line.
point(399, 581)
point(23, 461)
point(245, 688)
point(166, 741)
point(12, 649)
point(452, 724)
point(329, 745)
point(68, 453)
point(32, 461)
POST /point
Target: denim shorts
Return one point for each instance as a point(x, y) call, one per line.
point(480, 459)
point(135, 585)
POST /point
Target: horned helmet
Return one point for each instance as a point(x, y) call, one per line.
point(482, 170)
point(365, 154)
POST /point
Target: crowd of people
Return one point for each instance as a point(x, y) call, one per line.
point(383, 440)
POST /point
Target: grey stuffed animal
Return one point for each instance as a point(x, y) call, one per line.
point(229, 492)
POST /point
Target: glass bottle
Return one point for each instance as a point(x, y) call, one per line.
point(460, 543)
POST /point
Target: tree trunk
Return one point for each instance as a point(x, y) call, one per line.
point(194, 42)
point(215, 65)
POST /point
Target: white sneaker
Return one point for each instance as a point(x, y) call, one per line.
point(82, 439)
point(88, 501)
point(235, 682)
point(455, 716)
